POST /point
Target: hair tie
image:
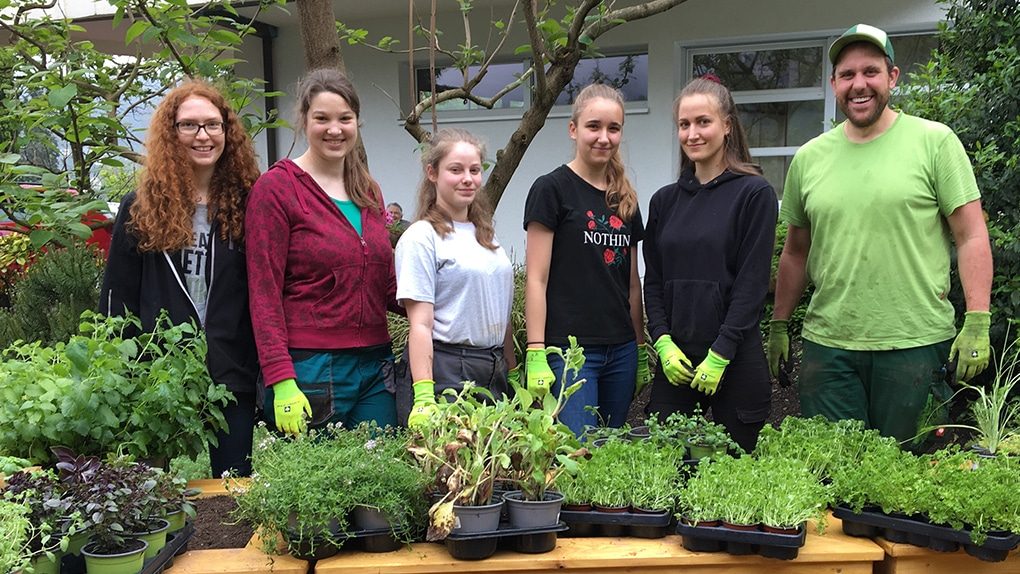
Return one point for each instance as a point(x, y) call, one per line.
point(712, 78)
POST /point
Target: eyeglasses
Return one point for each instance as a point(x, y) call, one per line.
point(191, 128)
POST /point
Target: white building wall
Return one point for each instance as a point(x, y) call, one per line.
point(649, 147)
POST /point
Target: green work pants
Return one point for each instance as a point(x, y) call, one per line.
point(896, 392)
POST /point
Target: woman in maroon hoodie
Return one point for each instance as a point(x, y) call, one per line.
point(321, 272)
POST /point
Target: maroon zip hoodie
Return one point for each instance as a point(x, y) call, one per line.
point(313, 282)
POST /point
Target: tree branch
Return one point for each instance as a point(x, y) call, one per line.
point(628, 14)
point(140, 4)
point(579, 18)
point(538, 50)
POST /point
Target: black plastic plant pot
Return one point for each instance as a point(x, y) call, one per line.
point(534, 543)
point(472, 549)
point(311, 547)
point(613, 530)
point(740, 548)
point(580, 530)
point(918, 539)
point(778, 552)
point(698, 544)
point(639, 433)
point(942, 545)
point(859, 529)
point(379, 543)
point(638, 531)
point(896, 535)
point(984, 553)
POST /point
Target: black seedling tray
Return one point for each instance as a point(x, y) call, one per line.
point(484, 544)
point(176, 544)
point(740, 542)
point(595, 523)
point(924, 534)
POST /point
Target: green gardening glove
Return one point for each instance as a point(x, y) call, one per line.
point(538, 375)
point(675, 364)
point(290, 407)
point(709, 373)
point(424, 403)
point(778, 346)
point(644, 375)
point(971, 348)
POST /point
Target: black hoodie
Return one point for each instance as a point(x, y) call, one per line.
point(708, 256)
point(145, 283)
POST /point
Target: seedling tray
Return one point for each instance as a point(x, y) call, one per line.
point(595, 523)
point(740, 542)
point(176, 544)
point(484, 544)
point(924, 534)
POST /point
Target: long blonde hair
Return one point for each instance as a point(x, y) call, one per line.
point(479, 212)
point(621, 196)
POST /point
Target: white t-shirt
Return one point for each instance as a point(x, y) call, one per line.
point(470, 287)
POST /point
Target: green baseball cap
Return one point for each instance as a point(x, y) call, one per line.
point(862, 33)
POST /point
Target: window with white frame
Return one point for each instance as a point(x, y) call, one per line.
point(499, 76)
point(626, 70)
point(782, 91)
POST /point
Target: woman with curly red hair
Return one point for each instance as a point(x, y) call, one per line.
point(178, 246)
point(322, 272)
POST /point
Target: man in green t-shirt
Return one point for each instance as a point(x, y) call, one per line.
point(874, 206)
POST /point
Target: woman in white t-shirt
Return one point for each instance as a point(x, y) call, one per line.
point(455, 281)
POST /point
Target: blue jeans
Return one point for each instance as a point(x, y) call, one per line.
point(610, 373)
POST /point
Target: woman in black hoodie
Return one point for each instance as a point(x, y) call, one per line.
point(708, 254)
point(178, 245)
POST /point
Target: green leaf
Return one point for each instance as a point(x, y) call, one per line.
point(9, 158)
point(135, 30)
point(59, 97)
point(40, 237)
point(225, 36)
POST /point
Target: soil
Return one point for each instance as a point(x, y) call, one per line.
point(214, 528)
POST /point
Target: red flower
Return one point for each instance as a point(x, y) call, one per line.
point(591, 225)
point(615, 222)
point(609, 255)
point(589, 214)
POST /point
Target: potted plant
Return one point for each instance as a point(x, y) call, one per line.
point(48, 512)
point(111, 389)
point(297, 490)
point(463, 450)
point(542, 447)
point(115, 500)
point(797, 496)
point(995, 409)
point(387, 486)
point(15, 529)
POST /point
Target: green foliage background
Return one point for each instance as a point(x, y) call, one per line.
point(971, 84)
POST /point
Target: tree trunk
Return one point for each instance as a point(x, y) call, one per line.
point(319, 39)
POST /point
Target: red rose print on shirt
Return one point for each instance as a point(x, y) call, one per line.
point(607, 231)
point(615, 222)
point(591, 225)
point(609, 255)
point(590, 214)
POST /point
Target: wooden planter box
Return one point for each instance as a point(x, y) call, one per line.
point(910, 559)
point(247, 560)
point(834, 552)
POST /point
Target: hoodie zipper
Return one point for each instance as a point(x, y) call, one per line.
point(180, 283)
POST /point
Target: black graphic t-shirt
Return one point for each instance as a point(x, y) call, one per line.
point(195, 262)
point(588, 294)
